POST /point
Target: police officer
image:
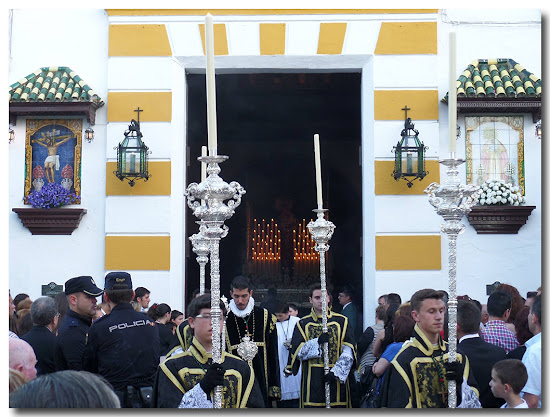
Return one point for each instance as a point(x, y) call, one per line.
point(81, 295)
point(123, 346)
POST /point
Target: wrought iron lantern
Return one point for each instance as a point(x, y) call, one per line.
point(538, 129)
point(12, 134)
point(132, 155)
point(409, 154)
point(89, 134)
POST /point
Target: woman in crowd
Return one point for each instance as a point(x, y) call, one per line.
point(523, 334)
point(517, 303)
point(161, 314)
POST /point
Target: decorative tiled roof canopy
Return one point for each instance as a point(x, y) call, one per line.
point(498, 85)
point(54, 91)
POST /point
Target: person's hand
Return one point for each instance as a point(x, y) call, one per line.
point(329, 377)
point(324, 338)
point(212, 378)
point(454, 371)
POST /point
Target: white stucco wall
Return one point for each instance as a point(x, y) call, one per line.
point(76, 38)
point(36, 260)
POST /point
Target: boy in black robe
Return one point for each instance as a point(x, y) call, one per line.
point(187, 379)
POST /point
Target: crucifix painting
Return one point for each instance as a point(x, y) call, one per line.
point(53, 153)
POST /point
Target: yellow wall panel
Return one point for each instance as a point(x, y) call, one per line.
point(384, 183)
point(408, 252)
point(139, 40)
point(398, 38)
point(423, 104)
point(272, 38)
point(137, 253)
point(158, 184)
point(331, 38)
point(156, 106)
point(220, 39)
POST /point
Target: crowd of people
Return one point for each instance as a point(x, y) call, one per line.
point(126, 352)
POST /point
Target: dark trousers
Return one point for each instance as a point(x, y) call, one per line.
point(294, 403)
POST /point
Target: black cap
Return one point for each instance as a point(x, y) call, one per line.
point(85, 284)
point(118, 280)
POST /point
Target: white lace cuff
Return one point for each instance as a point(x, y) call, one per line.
point(195, 398)
point(309, 350)
point(343, 365)
point(469, 397)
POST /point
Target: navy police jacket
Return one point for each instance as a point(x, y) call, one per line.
point(71, 340)
point(123, 347)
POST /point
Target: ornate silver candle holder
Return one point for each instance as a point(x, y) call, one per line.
point(321, 231)
point(214, 191)
point(201, 246)
point(452, 201)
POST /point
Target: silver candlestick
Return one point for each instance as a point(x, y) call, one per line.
point(214, 191)
point(201, 246)
point(321, 231)
point(452, 201)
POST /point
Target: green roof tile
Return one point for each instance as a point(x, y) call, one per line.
point(502, 77)
point(52, 84)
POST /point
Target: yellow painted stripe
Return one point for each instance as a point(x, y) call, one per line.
point(385, 184)
point(139, 40)
point(158, 184)
point(424, 104)
point(247, 12)
point(408, 252)
point(220, 39)
point(272, 38)
point(156, 106)
point(137, 253)
point(407, 38)
point(331, 38)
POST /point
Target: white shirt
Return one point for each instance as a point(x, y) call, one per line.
point(522, 405)
point(532, 361)
point(290, 386)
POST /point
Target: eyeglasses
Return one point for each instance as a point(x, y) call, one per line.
point(206, 316)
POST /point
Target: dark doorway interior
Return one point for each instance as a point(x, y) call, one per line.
point(266, 124)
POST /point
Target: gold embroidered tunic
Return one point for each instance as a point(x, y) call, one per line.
point(182, 372)
point(312, 386)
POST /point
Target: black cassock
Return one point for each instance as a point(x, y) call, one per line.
point(181, 373)
point(312, 386)
point(263, 332)
point(416, 377)
point(182, 338)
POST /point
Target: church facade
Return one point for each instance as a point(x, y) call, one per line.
point(141, 59)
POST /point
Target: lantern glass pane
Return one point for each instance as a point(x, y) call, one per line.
point(409, 162)
point(131, 161)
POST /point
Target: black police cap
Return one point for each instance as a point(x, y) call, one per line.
point(85, 284)
point(118, 280)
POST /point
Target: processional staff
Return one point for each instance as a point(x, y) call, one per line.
point(321, 230)
point(452, 201)
point(212, 214)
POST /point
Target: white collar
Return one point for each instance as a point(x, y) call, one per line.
point(468, 336)
point(242, 313)
point(346, 305)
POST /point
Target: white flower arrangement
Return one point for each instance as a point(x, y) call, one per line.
point(498, 192)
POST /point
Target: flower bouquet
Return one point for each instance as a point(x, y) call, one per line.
point(498, 192)
point(51, 195)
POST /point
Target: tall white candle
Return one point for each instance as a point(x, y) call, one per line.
point(210, 86)
point(203, 170)
point(317, 150)
point(452, 92)
point(203, 164)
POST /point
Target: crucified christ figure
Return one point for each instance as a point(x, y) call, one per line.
point(50, 143)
